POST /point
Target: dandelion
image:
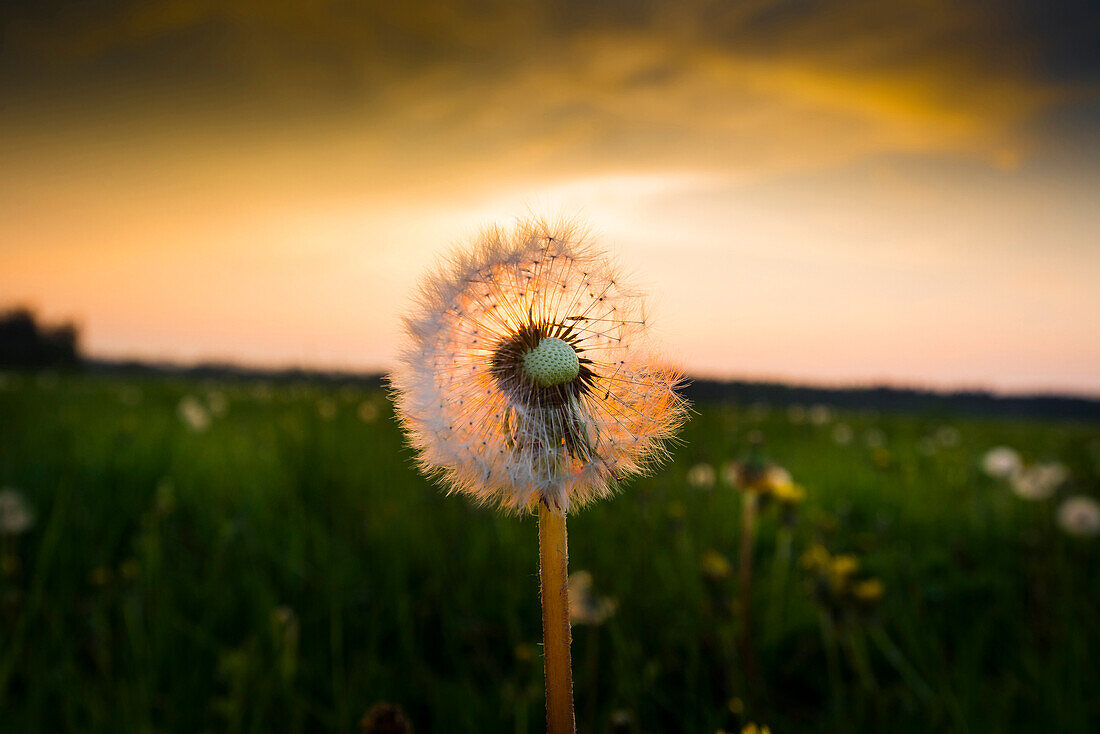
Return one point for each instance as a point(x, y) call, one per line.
point(868, 591)
point(820, 414)
point(1039, 481)
point(1001, 462)
point(1080, 516)
point(368, 411)
point(327, 408)
point(947, 436)
point(193, 414)
point(525, 383)
point(584, 606)
point(217, 402)
point(874, 438)
point(842, 434)
point(16, 517)
point(702, 476)
point(716, 566)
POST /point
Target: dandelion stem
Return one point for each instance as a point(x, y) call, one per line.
point(554, 559)
point(748, 533)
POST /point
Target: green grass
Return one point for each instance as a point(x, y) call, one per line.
point(285, 568)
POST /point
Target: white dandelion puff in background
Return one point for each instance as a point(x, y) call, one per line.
point(193, 413)
point(1039, 481)
point(702, 476)
point(1001, 462)
point(526, 376)
point(1080, 516)
point(16, 517)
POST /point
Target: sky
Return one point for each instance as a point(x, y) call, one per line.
point(820, 192)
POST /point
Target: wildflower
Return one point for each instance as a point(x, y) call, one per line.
point(326, 408)
point(841, 569)
point(385, 718)
point(16, 517)
point(193, 414)
point(820, 414)
point(368, 411)
point(874, 438)
point(947, 436)
point(584, 606)
point(868, 590)
point(715, 566)
point(1039, 481)
point(842, 434)
point(217, 402)
point(815, 558)
point(1001, 462)
point(1080, 516)
point(702, 476)
point(789, 494)
point(524, 378)
point(754, 729)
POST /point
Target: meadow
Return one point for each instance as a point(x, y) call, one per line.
point(247, 556)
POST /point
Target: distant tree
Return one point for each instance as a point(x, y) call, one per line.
point(26, 343)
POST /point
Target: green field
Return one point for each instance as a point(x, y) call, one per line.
point(279, 566)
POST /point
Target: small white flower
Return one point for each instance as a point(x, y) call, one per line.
point(1080, 516)
point(842, 434)
point(1001, 462)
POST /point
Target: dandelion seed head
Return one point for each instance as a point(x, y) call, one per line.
point(1001, 462)
point(1080, 516)
point(16, 516)
point(526, 375)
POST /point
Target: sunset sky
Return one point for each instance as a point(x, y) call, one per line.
point(900, 192)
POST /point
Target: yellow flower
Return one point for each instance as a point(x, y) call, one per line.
point(815, 558)
point(789, 494)
point(841, 569)
point(715, 565)
point(754, 729)
point(868, 590)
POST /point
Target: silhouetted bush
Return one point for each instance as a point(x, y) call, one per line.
point(26, 343)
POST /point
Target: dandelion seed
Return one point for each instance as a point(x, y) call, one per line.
point(1039, 481)
point(525, 376)
point(1080, 516)
point(193, 414)
point(1001, 462)
point(16, 517)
